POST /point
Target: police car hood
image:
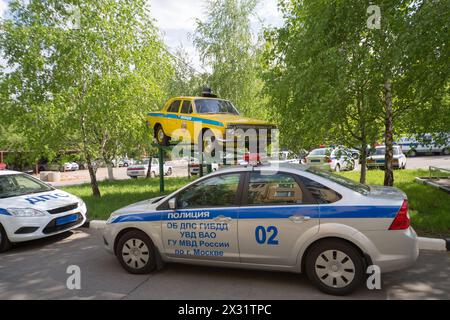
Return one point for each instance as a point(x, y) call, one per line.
point(139, 207)
point(40, 201)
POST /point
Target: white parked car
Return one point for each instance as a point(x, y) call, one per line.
point(139, 169)
point(376, 158)
point(412, 146)
point(194, 166)
point(285, 218)
point(31, 209)
point(331, 159)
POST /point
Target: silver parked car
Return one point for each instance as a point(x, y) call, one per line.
point(376, 158)
point(331, 159)
point(139, 169)
point(286, 218)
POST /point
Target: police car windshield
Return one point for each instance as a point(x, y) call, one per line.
point(20, 184)
point(214, 106)
point(355, 186)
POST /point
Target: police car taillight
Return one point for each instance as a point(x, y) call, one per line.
point(401, 220)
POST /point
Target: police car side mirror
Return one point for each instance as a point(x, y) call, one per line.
point(172, 203)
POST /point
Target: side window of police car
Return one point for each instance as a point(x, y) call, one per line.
point(186, 107)
point(274, 189)
point(174, 106)
point(217, 191)
point(320, 193)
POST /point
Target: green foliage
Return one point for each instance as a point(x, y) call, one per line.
point(225, 44)
point(428, 206)
point(326, 70)
point(86, 88)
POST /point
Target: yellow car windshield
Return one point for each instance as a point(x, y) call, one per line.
point(214, 106)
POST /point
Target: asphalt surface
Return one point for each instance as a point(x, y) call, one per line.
point(37, 270)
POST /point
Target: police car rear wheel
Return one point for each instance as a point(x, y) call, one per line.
point(335, 267)
point(135, 252)
point(5, 244)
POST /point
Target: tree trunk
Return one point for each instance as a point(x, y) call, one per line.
point(110, 171)
point(149, 168)
point(92, 174)
point(388, 139)
point(362, 177)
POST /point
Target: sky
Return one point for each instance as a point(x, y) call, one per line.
point(176, 20)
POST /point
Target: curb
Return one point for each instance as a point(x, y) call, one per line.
point(434, 244)
point(97, 224)
point(424, 243)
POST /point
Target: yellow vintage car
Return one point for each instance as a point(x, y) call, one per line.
point(205, 120)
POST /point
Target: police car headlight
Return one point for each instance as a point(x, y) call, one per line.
point(26, 212)
point(81, 204)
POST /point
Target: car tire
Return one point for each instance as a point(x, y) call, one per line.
point(136, 252)
point(169, 172)
point(133, 177)
point(446, 151)
point(337, 168)
point(208, 143)
point(342, 273)
point(153, 174)
point(5, 244)
point(412, 153)
point(161, 137)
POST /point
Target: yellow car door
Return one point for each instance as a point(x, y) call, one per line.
point(186, 121)
point(171, 120)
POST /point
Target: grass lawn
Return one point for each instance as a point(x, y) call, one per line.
point(429, 207)
point(120, 193)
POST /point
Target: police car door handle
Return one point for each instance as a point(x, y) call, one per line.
point(299, 218)
point(222, 218)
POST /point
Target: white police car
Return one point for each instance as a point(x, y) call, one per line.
point(286, 218)
point(31, 209)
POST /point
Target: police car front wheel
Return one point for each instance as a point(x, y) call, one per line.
point(335, 267)
point(136, 252)
point(5, 244)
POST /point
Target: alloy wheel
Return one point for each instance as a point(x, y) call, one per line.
point(135, 253)
point(335, 268)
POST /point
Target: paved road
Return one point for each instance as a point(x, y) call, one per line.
point(37, 270)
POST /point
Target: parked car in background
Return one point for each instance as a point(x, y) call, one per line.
point(139, 169)
point(31, 209)
point(194, 166)
point(286, 157)
point(376, 158)
point(412, 146)
point(53, 166)
point(122, 162)
point(331, 159)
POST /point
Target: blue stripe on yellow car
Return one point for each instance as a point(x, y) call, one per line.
point(314, 211)
point(194, 119)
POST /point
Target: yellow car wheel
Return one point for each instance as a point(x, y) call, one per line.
point(209, 143)
point(161, 137)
